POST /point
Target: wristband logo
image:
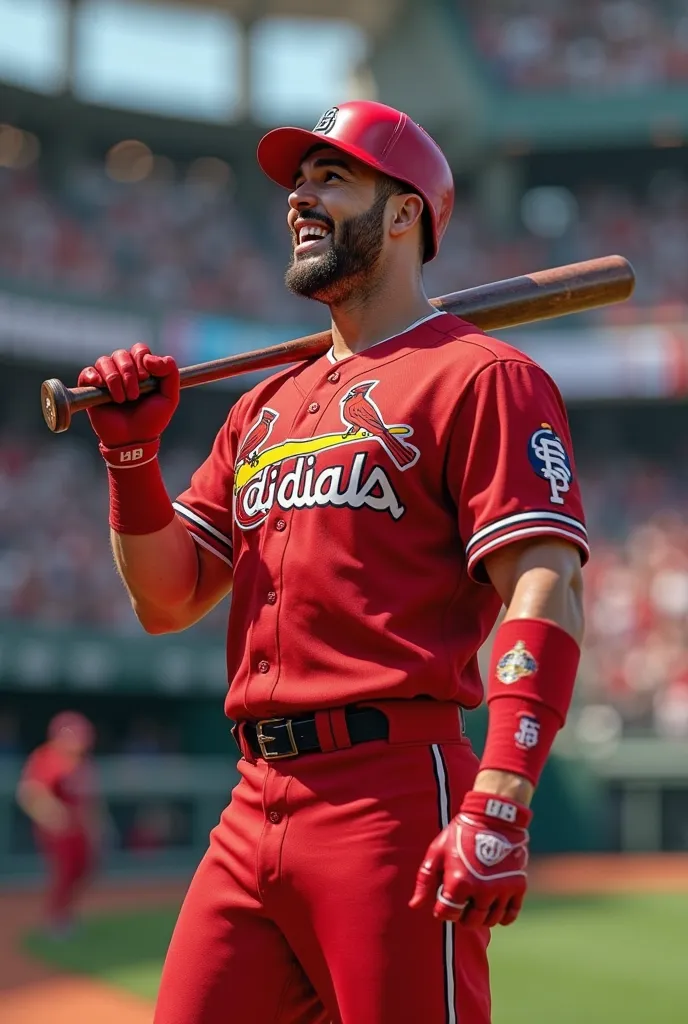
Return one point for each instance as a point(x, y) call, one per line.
point(516, 664)
point(500, 809)
point(131, 455)
point(550, 460)
point(528, 734)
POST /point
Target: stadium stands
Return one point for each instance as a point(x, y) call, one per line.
point(611, 45)
point(186, 245)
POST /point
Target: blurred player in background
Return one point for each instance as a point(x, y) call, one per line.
point(58, 791)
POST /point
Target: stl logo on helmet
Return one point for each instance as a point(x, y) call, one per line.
point(299, 473)
point(327, 121)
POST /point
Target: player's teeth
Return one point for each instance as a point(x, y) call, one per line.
point(311, 232)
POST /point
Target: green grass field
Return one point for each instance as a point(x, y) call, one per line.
point(584, 960)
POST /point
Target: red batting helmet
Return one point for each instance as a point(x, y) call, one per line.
point(379, 136)
point(74, 723)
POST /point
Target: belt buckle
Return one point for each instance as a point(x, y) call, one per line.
point(262, 739)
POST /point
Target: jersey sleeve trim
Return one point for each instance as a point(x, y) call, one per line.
point(525, 524)
point(206, 534)
point(204, 544)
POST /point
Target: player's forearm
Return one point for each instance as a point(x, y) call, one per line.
point(505, 784)
point(161, 573)
point(553, 592)
point(541, 585)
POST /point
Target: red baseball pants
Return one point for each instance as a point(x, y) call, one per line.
point(70, 861)
point(298, 913)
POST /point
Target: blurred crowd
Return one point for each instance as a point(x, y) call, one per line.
point(557, 226)
point(185, 244)
point(189, 243)
point(635, 657)
point(614, 45)
point(57, 569)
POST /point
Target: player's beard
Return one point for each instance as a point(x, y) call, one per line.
point(349, 263)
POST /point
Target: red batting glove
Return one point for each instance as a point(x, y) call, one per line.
point(475, 871)
point(131, 421)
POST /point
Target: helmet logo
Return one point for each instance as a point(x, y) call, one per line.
point(327, 121)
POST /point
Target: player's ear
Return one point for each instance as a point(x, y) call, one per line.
point(407, 212)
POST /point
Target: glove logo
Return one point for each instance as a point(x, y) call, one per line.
point(327, 121)
point(518, 663)
point(491, 849)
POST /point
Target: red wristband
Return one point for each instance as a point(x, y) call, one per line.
point(131, 456)
point(532, 675)
point(139, 502)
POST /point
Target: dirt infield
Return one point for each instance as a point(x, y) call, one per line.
point(610, 873)
point(33, 993)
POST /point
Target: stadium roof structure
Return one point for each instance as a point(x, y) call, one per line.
point(374, 16)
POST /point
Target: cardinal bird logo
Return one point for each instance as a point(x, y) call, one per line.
point(362, 416)
point(256, 437)
point(304, 473)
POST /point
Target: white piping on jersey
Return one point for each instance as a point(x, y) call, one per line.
point(209, 547)
point(411, 327)
point(186, 512)
point(523, 517)
point(449, 967)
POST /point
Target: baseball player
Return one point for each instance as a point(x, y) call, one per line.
point(372, 509)
point(57, 791)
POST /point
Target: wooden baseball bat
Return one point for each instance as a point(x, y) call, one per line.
point(517, 300)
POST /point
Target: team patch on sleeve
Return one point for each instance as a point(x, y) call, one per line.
point(550, 460)
point(204, 533)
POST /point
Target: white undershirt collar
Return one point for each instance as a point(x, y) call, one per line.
point(411, 327)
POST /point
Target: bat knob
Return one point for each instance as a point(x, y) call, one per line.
point(56, 405)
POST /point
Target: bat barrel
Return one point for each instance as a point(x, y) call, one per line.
point(544, 294)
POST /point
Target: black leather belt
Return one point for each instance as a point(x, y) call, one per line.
point(276, 738)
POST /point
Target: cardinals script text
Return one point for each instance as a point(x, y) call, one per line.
point(291, 474)
point(304, 487)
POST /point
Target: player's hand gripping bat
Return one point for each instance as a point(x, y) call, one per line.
point(517, 300)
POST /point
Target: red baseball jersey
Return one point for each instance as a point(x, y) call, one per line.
point(356, 500)
point(72, 783)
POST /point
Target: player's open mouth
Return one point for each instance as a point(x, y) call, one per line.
point(311, 237)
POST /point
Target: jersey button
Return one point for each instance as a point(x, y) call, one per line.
point(280, 525)
point(313, 407)
point(272, 597)
point(334, 377)
point(263, 666)
point(275, 817)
